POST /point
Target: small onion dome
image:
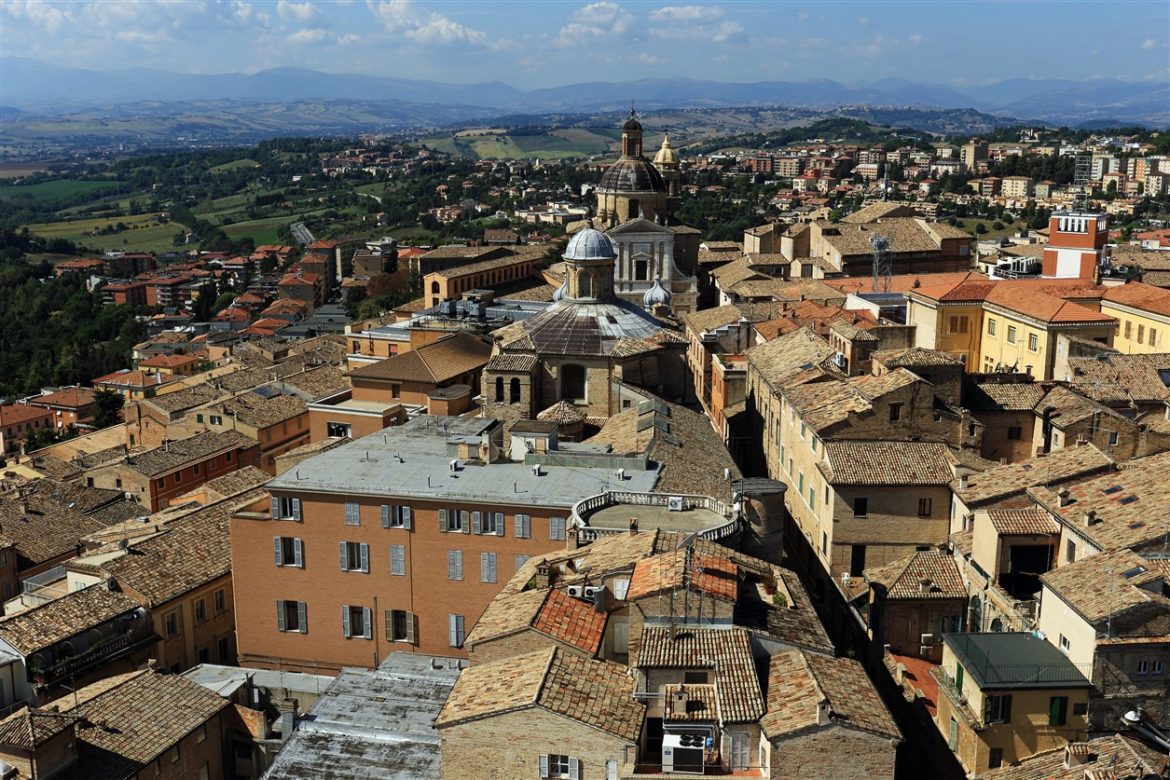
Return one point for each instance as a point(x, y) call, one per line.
point(632, 123)
point(561, 291)
point(666, 155)
point(562, 413)
point(656, 296)
point(590, 244)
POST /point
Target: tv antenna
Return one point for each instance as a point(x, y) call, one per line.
point(883, 264)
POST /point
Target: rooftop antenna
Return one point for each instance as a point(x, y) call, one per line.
point(1082, 173)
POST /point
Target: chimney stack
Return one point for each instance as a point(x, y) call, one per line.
point(633, 526)
point(1090, 517)
point(288, 718)
point(1063, 497)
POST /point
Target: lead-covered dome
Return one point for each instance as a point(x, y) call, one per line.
point(590, 244)
point(656, 296)
point(632, 174)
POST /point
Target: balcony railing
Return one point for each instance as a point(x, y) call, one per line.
point(137, 637)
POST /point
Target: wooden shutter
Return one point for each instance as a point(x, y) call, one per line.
point(544, 765)
point(303, 617)
point(280, 616)
point(499, 523)
point(483, 567)
point(574, 769)
point(298, 553)
point(476, 521)
point(406, 517)
point(385, 516)
point(411, 627)
point(278, 552)
point(296, 502)
point(443, 520)
point(275, 508)
point(344, 557)
point(464, 521)
point(397, 559)
point(345, 620)
point(368, 622)
point(365, 550)
point(454, 565)
point(388, 618)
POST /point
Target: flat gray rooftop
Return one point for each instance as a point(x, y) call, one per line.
point(372, 723)
point(226, 680)
point(652, 517)
point(412, 461)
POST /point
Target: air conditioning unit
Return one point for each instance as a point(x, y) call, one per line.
point(590, 591)
point(674, 503)
point(576, 591)
point(683, 753)
point(839, 360)
point(927, 639)
point(925, 649)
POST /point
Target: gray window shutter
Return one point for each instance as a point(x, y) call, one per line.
point(574, 769)
point(388, 622)
point(483, 567)
point(552, 529)
point(275, 508)
point(298, 553)
point(406, 517)
point(520, 559)
point(397, 559)
point(451, 565)
point(451, 630)
point(344, 557)
point(280, 616)
point(365, 548)
point(411, 627)
point(492, 566)
point(499, 523)
point(475, 521)
point(303, 616)
point(442, 519)
point(385, 516)
point(368, 622)
point(465, 521)
point(544, 765)
point(296, 502)
point(345, 620)
point(279, 551)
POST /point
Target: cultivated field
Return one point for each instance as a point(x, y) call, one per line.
point(142, 233)
point(45, 191)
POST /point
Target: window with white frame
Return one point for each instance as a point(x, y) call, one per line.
point(400, 626)
point(554, 765)
point(556, 529)
point(455, 630)
point(522, 525)
point(355, 556)
point(286, 508)
point(292, 616)
point(454, 564)
point(487, 567)
point(454, 521)
point(289, 551)
point(396, 516)
point(490, 523)
point(356, 622)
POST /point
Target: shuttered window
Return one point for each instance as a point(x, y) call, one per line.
point(455, 630)
point(454, 564)
point(398, 559)
point(395, 516)
point(487, 567)
point(353, 513)
point(556, 529)
point(522, 527)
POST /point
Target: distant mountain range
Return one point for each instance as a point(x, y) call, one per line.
point(44, 89)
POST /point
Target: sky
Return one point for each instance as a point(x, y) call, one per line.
point(543, 43)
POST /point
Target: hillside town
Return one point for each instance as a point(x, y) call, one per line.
point(874, 488)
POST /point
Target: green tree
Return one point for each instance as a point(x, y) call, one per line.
point(107, 408)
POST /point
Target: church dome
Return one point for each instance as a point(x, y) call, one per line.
point(632, 124)
point(590, 244)
point(632, 174)
point(561, 291)
point(666, 155)
point(656, 296)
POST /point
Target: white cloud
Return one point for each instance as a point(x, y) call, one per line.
point(686, 13)
point(802, 16)
point(422, 26)
point(598, 20)
point(863, 21)
point(650, 59)
point(296, 12)
point(916, 39)
point(308, 35)
point(1149, 43)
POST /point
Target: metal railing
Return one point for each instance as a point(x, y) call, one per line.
point(136, 637)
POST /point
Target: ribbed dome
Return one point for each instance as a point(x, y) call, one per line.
point(656, 295)
point(590, 244)
point(561, 291)
point(632, 124)
point(632, 174)
point(666, 155)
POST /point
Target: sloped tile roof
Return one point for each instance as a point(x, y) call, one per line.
point(572, 621)
point(1003, 396)
point(700, 703)
point(888, 463)
point(1140, 296)
point(27, 729)
point(904, 578)
point(511, 362)
point(728, 653)
point(1098, 587)
point(43, 529)
point(439, 361)
point(1120, 378)
point(1022, 522)
point(176, 454)
point(798, 683)
point(54, 621)
point(712, 574)
point(916, 357)
point(1013, 479)
point(1114, 757)
point(133, 719)
point(782, 358)
point(597, 693)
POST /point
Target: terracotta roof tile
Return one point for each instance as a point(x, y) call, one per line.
point(1119, 756)
point(27, 729)
point(1105, 588)
point(888, 463)
point(440, 361)
point(74, 613)
point(1022, 522)
point(1003, 482)
point(727, 652)
point(927, 574)
point(572, 621)
point(799, 683)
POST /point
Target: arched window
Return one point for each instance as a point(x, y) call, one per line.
point(572, 382)
point(585, 284)
point(514, 391)
point(499, 389)
point(434, 287)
